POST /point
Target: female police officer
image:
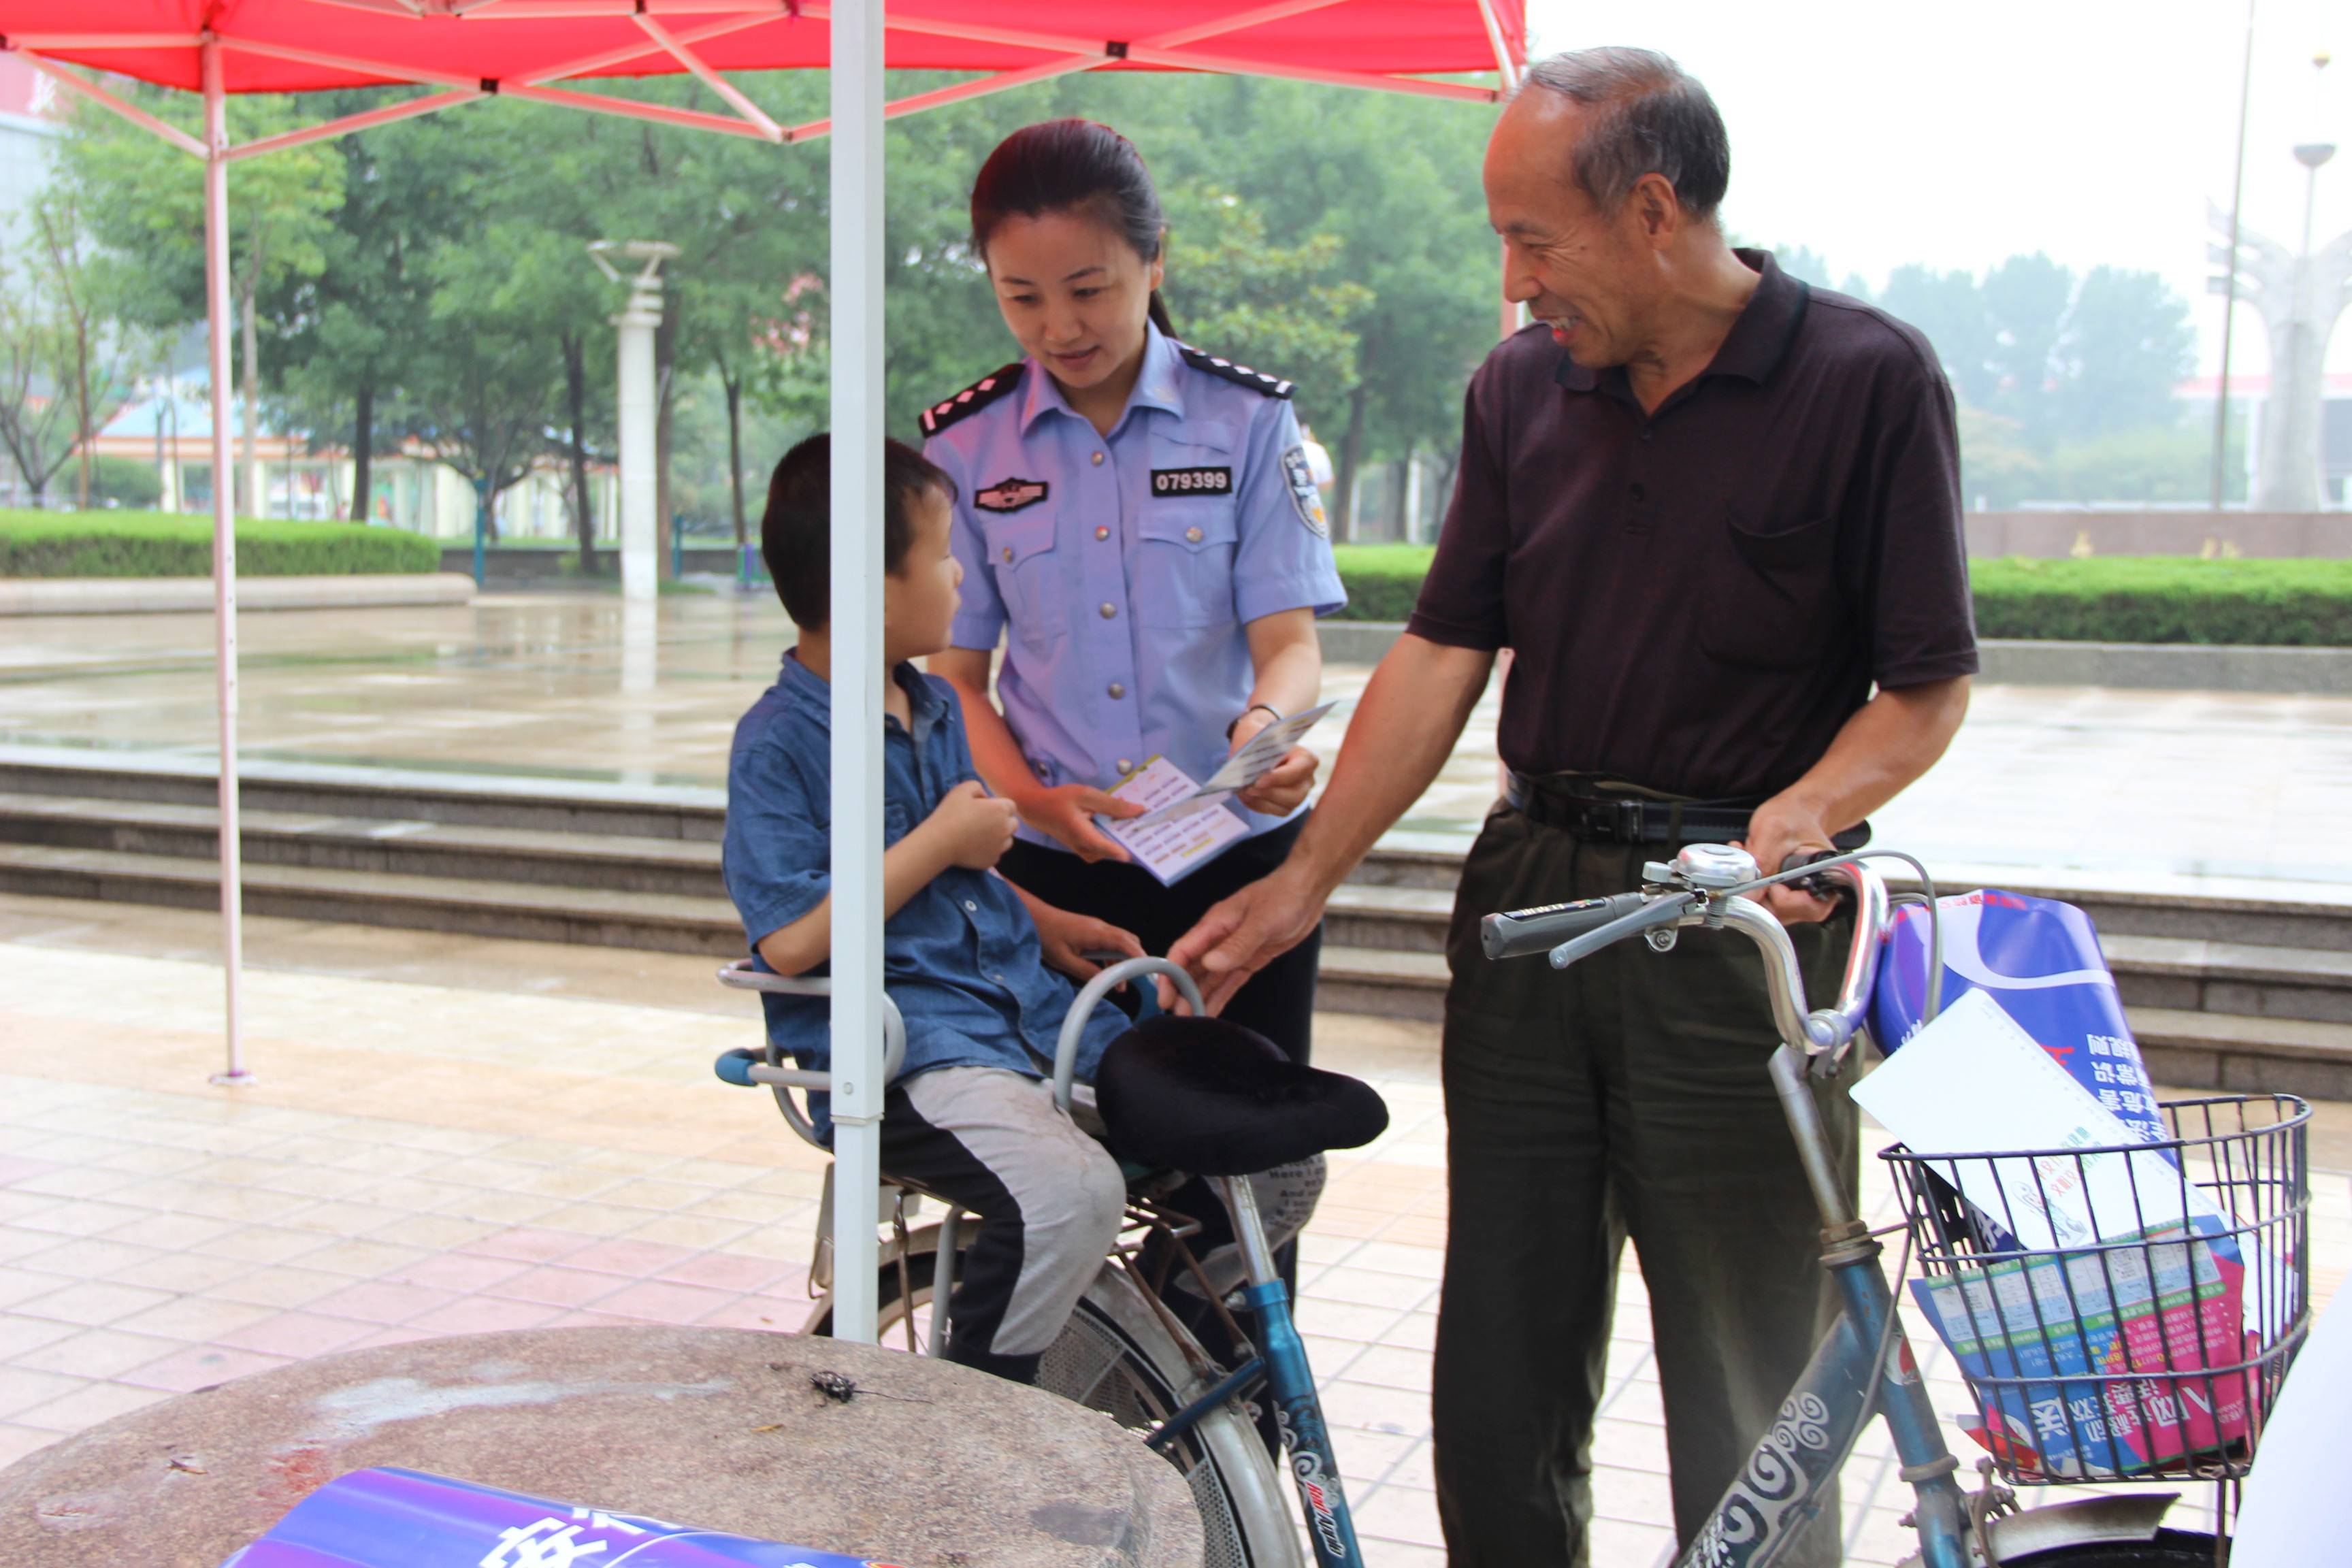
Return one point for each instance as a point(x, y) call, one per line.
point(1138, 519)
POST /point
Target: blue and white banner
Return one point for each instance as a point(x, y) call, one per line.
point(405, 1519)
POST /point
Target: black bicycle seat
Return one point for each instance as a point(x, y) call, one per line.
point(1217, 1100)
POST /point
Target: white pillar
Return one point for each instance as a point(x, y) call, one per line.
point(639, 568)
point(216, 314)
point(856, 617)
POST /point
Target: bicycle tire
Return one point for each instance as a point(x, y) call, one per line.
point(1114, 1356)
point(2169, 1549)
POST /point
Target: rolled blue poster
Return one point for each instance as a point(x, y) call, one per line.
point(2040, 959)
point(389, 1518)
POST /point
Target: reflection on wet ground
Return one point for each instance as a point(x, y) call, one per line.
point(2123, 784)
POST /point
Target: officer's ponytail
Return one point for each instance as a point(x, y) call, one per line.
point(1061, 165)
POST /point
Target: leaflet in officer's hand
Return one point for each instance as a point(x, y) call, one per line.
point(1171, 845)
point(1252, 761)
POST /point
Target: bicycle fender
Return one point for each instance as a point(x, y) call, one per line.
point(2089, 1522)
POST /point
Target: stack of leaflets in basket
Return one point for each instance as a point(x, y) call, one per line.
point(2094, 1316)
point(2110, 1260)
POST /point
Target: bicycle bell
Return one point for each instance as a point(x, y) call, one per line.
point(1713, 865)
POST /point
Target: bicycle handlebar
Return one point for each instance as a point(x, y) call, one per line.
point(1710, 885)
point(1515, 933)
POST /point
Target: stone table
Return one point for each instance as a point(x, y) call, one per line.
point(926, 1465)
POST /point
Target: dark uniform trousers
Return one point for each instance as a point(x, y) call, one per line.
point(1625, 1097)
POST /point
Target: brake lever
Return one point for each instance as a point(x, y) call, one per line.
point(1818, 885)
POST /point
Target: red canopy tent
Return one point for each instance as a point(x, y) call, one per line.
point(467, 49)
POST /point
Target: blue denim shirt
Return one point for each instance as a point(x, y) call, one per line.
point(962, 958)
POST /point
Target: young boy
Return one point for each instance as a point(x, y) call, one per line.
point(969, 1116)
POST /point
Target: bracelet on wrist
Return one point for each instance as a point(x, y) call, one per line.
point(1247, 712)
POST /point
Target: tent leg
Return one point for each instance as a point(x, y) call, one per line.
point(857, 673)
point(216, 313)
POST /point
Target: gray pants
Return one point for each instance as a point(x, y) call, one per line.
point(1626, 1096)
point(1048, 1199)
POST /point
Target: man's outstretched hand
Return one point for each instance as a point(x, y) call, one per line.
point(1244, 934)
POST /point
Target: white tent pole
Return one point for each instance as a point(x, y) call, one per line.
point(216, 321)
point(858, 674)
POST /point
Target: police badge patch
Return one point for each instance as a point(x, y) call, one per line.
point(1303, 493)
point(1010, 495)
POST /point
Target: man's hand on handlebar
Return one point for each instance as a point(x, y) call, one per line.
point(1242, 935)
point(1779, 829)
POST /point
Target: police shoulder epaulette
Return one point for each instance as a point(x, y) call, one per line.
point(972, 398)
point(1239, 374)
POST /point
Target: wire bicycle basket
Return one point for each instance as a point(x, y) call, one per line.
point(2141, 1329)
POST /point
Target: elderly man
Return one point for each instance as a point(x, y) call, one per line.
point(1715, 515)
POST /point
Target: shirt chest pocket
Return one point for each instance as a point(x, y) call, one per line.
point(1771, 592)
point(896, 821)
point(1027, 568)
point(1182, 574)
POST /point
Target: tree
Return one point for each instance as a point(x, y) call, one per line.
point(1258, 303)
point(146, 203)
point(2025, 301)
point(35, 425)
point(96, 355)
point(1950, 308)
point(2128, 344)
point(346, 344)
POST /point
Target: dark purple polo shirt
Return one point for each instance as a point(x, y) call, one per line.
point(1699, 598)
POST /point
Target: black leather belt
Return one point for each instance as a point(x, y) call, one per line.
point(1616, 819)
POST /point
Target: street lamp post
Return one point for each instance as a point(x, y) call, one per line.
point(636, 405)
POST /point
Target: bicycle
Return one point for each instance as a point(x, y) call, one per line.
point(1863, 1367)
point(1125, 1352)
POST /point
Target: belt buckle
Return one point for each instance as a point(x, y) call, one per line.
point(1629, 824)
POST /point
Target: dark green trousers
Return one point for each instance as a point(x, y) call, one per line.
point(1626, 1096)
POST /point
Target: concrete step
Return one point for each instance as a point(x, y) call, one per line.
point(1385, 985)
point(665, 923)
point(2232, 1053)
point(612, 862)
point(533, 803)
point(2181, 975)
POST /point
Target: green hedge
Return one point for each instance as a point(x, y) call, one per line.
point(2167, 599)
point(2119, 598)
point(1382, 580)
point(153, 545)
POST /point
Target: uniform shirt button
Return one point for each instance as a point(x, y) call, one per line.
point(999, 978)
point(1040, 769)
point(970, 907)
point(1117, 691)
point(1008, 552)
point(1097, 460)
point(1109, 612)
point(1102, 534)
point(1192, 536)
point(1125, 766)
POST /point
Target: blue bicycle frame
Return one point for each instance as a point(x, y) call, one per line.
point(1281, 1363)
point(1778, 1492)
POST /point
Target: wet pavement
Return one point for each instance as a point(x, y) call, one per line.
point(2164, 788)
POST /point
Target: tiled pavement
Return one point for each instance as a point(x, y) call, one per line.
point(451, 1135)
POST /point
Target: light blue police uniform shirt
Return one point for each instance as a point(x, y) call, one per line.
point(1126, 566)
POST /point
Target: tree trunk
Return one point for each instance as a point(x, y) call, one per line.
point(575, 404)
point(363, 453)
point(257, 495)
point(665, 366)
point(735, 450)
point(1351, 454)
